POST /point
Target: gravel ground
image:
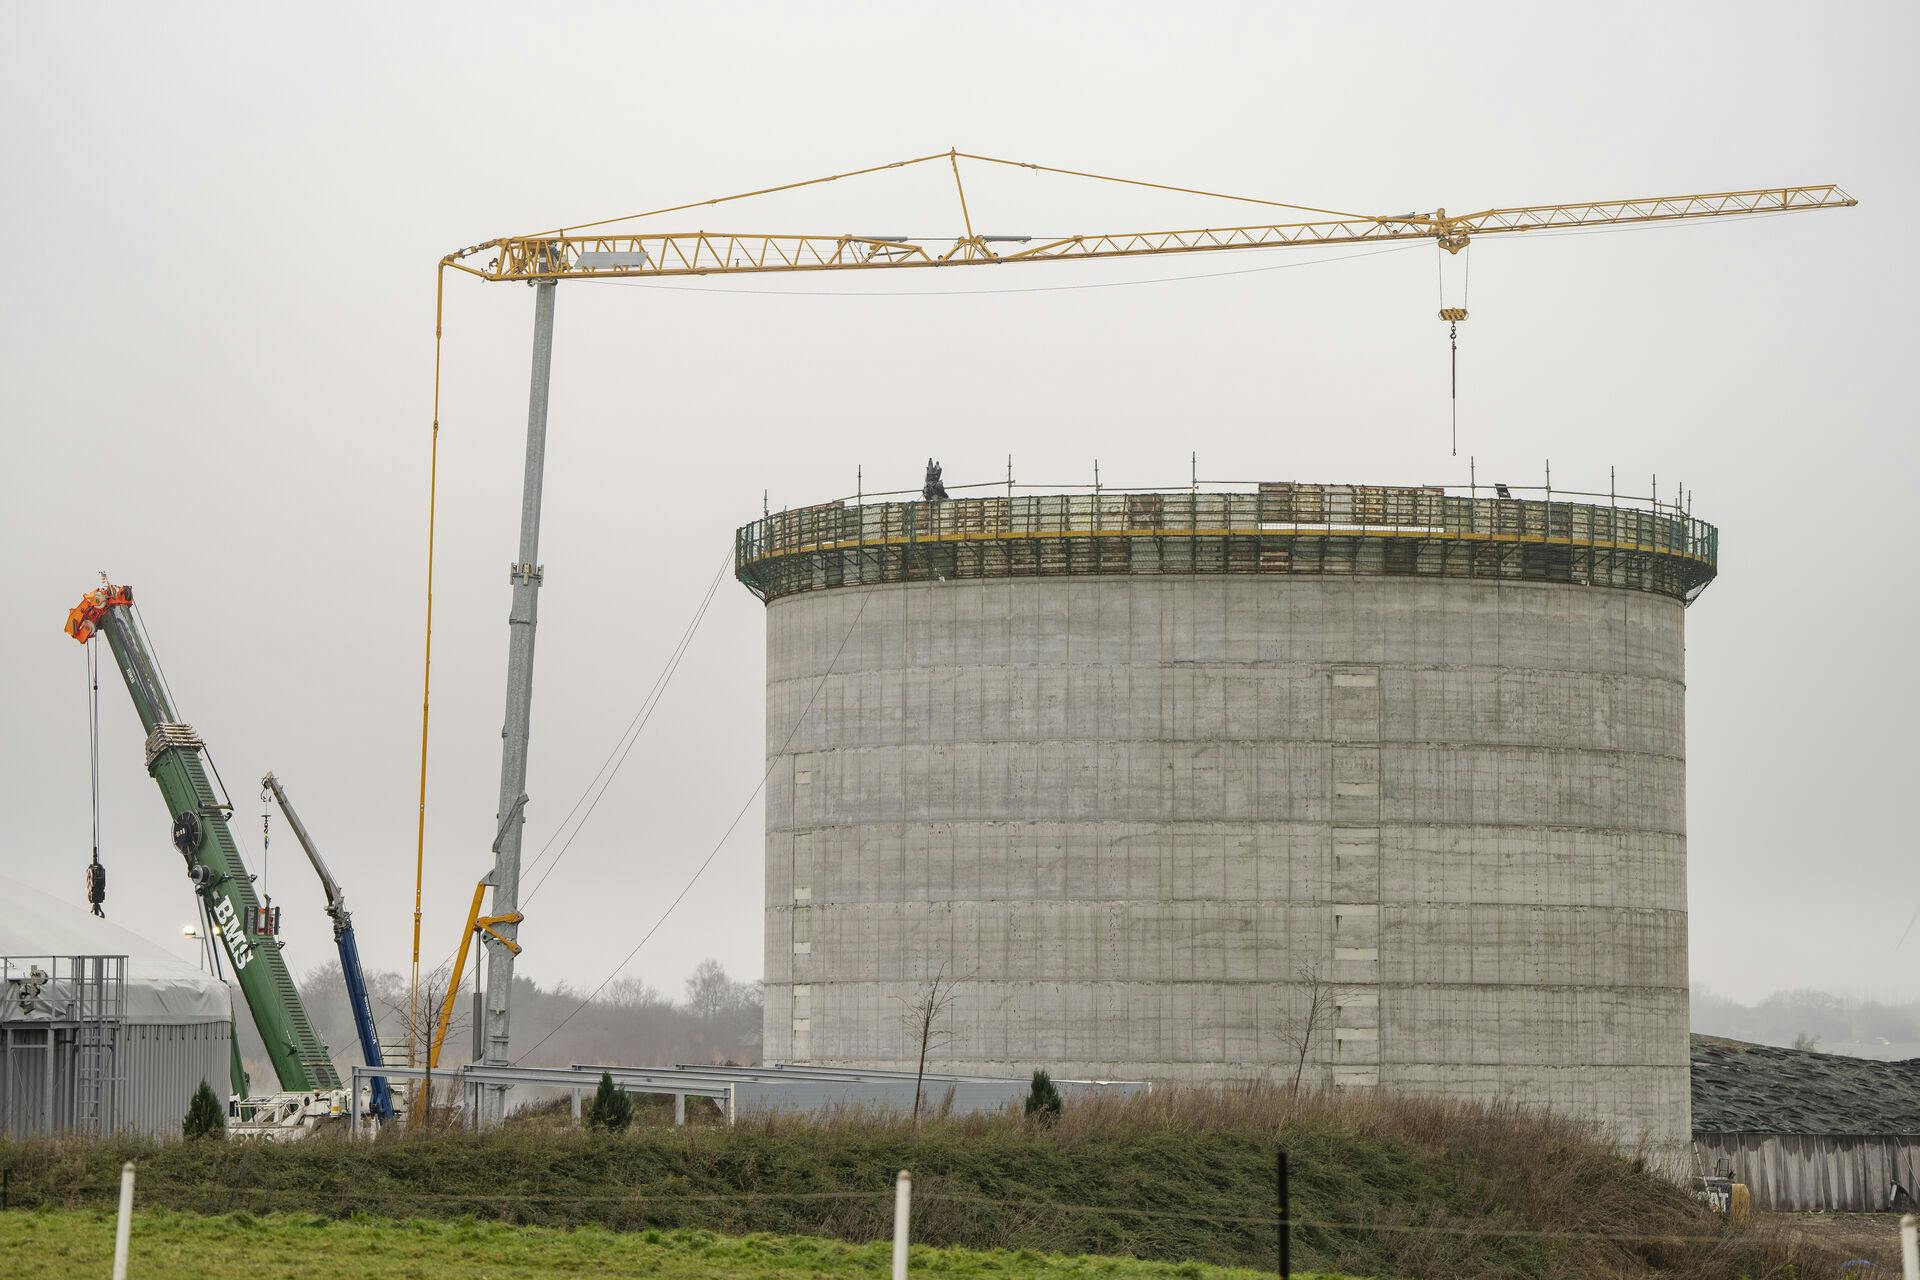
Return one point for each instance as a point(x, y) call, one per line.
point(1874, 1237)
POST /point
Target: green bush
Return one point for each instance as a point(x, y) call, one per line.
point(1043, 1099)
point(611, 1109)
point(206, 1118)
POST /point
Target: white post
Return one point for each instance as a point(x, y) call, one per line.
point(902, 1210)
point(1909, 1244)
point(123, 1231)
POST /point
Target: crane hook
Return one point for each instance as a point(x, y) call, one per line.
point(1453, 316)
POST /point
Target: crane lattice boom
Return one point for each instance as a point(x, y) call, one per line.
point(605, 254)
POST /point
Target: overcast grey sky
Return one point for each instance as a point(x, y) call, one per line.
point(215, 377)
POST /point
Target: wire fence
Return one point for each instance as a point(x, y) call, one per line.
point(232, 1197)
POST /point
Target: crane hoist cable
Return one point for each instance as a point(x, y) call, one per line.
point(1453, 317)
point(96, 872)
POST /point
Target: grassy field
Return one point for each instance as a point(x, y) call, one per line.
point(1381, 1186)
point(60, 1244)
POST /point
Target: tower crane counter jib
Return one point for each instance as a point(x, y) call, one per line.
point(175, 758)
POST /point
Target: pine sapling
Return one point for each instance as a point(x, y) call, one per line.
point(206, 1118)
point(1043, 1099)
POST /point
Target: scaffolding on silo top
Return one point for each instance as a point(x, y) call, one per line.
point(1272, 528)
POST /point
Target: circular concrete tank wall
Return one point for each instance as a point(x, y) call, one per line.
point(1141, 781)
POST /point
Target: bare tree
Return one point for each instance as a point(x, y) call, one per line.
point(924, 1015)
point(712, 994)
point(433, 994)
point(1300, 1032)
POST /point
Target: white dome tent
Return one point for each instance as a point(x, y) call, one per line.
point(100, 1030)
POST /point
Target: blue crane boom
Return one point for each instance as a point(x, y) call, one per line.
point(355, 976)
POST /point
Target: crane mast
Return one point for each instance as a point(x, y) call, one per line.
point(175, 759)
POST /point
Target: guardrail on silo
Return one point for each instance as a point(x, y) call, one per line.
point(1274, 528)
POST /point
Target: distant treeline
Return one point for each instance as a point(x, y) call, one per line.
point(718, 1020)
point(1813, 1020)
point(715, 1020)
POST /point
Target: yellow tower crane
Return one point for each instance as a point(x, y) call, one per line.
point(606, 249)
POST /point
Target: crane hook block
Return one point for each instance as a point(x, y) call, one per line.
point(1453, 315)
point(186, 832)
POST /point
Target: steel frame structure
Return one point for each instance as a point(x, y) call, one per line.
point(85, 999)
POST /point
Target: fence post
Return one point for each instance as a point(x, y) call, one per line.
point(1285, 1227)
point(1910, 1245)
point(123, 1230)
point(902, 1210)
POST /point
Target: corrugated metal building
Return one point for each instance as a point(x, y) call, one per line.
point(1804, 1130)
point(101, 1031)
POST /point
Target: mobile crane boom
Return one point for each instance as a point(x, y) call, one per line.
point(349, 947)
point(200, 833)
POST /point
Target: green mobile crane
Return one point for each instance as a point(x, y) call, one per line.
point(175, 758)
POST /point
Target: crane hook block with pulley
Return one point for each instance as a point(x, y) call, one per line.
point(186, 832)
point(1453, 315)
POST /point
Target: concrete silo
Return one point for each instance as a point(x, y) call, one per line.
point(1144, 772)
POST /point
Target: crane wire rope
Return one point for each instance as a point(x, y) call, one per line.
point(426, 675)
point(950, 155)
point(206, 752)
point(635, 726)
point(96, 874)
point(624, 745)
point(758, 787)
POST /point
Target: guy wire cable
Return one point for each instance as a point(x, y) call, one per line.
point(719, 844)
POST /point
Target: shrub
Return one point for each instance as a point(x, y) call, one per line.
point(206, 1118)
point(1043, 1099)
point(611, 1109)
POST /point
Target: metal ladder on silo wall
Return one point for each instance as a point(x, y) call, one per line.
point(99, 1012)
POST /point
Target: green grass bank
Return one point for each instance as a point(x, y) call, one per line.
point(55, 1244)
point(1381, 1186)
